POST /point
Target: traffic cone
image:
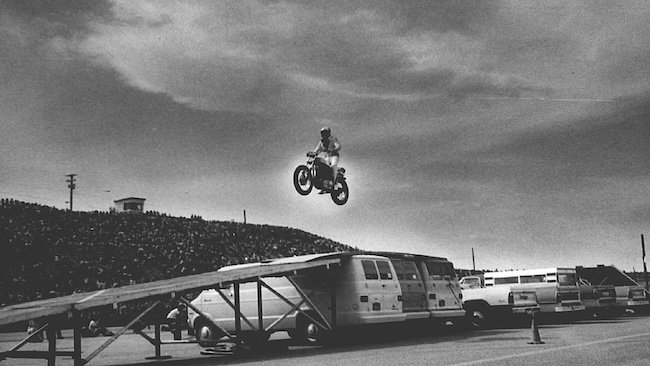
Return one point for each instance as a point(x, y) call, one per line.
point(533, 326)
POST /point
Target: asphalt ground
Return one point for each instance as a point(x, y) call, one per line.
point(618, 341)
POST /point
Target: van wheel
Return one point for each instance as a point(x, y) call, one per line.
point(477, 317)
point(207, 334)
point(307, 331)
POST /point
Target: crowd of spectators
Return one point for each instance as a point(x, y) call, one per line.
point(51, 252)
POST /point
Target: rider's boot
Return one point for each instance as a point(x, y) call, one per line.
point(333, 182)
point(328, 185)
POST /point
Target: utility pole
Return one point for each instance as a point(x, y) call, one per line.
point(244, 216)
point(71, 185)
point(645, 268)
point(473, 262)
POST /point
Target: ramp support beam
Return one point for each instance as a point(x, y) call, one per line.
point(237, 314)
point(260, 314)
point(50, 329)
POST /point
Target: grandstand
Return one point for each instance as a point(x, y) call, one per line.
point(50, 252)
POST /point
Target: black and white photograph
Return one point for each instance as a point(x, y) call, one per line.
point(280, 182)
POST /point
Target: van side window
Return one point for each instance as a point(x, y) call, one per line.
point(411, 271)
point(450, 268)
point(385, 272)
point(370, 270)
point(399, 269)
point(440, 269)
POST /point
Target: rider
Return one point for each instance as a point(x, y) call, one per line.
point(330, 146)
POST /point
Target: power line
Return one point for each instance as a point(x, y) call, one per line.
point(28, 196)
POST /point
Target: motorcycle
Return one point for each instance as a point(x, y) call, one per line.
point(317, 173)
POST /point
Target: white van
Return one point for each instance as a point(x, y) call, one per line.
point(364, 289)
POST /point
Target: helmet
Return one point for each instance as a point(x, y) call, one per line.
point(325, 131)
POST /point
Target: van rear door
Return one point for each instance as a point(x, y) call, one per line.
point(380, 292)
point(444, 293)
point(413, 291)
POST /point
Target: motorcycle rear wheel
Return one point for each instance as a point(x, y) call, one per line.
point(340, 193)
point(302, 180)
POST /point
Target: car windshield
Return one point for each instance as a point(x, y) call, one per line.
point(566, 279)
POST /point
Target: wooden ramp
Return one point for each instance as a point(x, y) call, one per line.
point(53, 312)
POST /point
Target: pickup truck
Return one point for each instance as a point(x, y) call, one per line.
point(497, 305)
point(631, 298)
point(629, 294)
point(599, 300)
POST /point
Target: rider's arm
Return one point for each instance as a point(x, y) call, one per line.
point(337, 145)
point(319, 148)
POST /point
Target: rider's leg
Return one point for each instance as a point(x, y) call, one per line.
point(334, 163)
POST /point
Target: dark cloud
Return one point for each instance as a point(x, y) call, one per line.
point(370, 66)
point(612, 144)
point(628, 66)
point(491, 86)
point(62, 18)
point(56, 10)
point(444, 15)
point(440, 16)
point(533, 49)
point(358, 50)
point(342, 52)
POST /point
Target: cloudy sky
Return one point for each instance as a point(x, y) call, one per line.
point(517, 128)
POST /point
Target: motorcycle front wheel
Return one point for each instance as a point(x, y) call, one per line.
point(340, 193)
point(302, 180)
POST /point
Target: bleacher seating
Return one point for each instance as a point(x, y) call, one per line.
point(51, 252)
